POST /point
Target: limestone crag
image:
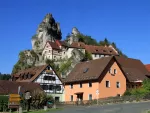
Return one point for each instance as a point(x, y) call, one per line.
point(48, 30)
point(73, 37)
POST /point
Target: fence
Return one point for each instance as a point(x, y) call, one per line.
point(109, 100)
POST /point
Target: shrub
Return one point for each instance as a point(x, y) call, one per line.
point(3, 103)
point(146, 84)
point(127, 93)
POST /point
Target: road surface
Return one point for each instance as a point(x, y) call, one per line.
point(117, 108)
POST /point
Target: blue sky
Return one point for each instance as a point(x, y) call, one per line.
point(126, 22)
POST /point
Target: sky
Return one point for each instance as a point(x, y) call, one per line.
point(125, 22)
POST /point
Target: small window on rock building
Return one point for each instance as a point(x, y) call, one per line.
point(90, 96)
point(90, 84)
point(107, 84)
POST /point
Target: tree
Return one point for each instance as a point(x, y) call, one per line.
point(53, 65)
point(88, 56)
point(5, 76)
point(86, 39)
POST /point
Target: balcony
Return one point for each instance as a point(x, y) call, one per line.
point(49, 72)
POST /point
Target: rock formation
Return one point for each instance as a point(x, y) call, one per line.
point(73, 37)
point(47, 30)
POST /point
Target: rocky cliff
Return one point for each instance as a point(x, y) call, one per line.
point(48, 29)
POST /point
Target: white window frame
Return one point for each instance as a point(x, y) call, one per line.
point(115, 71)
point(118, 84)
point(108, 84)
point(80, 85)
point(71, 98)
point(89, 96)
point(71, 86)
point(110, 70)
point(89, 84)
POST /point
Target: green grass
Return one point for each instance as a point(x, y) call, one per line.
point(42, 110)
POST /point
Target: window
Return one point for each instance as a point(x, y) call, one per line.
point(48, 68)
point(45, 87)
point(50, 87)
point(110, 70)
point(85, 70)
point(118, 84)
point(71, 98)
point(58, 88)
point(49, 78)
point(29, 76)
point(90, 96)
point(80, 85)
point(107, 84)
point(90, 84)
point(95, 55)
point(115, 71)
point(71, 86)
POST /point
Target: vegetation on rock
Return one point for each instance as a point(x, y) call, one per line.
point(64, 66)
point(87, 56)
point(87, 39)
point(90, 41)
point(53, 65)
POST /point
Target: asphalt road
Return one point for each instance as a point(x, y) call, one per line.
point(117, 108)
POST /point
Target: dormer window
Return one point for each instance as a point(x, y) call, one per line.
point(96, 50)
point(110, 51)
point(85, 70)
point(29, 76)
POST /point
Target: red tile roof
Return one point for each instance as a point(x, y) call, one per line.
point(11, 87)
point(100, 50)
point(34, 71)
point(79, 45)
point(148, 67)
point(133, 69)
point(53, 45)
point(94, 49)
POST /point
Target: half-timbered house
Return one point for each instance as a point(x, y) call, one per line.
point(46, 77)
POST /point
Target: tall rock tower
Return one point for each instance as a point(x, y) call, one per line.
point(73, 37)
point(48, 30)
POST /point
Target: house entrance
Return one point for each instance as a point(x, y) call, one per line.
point(79, 97)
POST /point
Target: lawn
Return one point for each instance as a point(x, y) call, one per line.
point(42, 111)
